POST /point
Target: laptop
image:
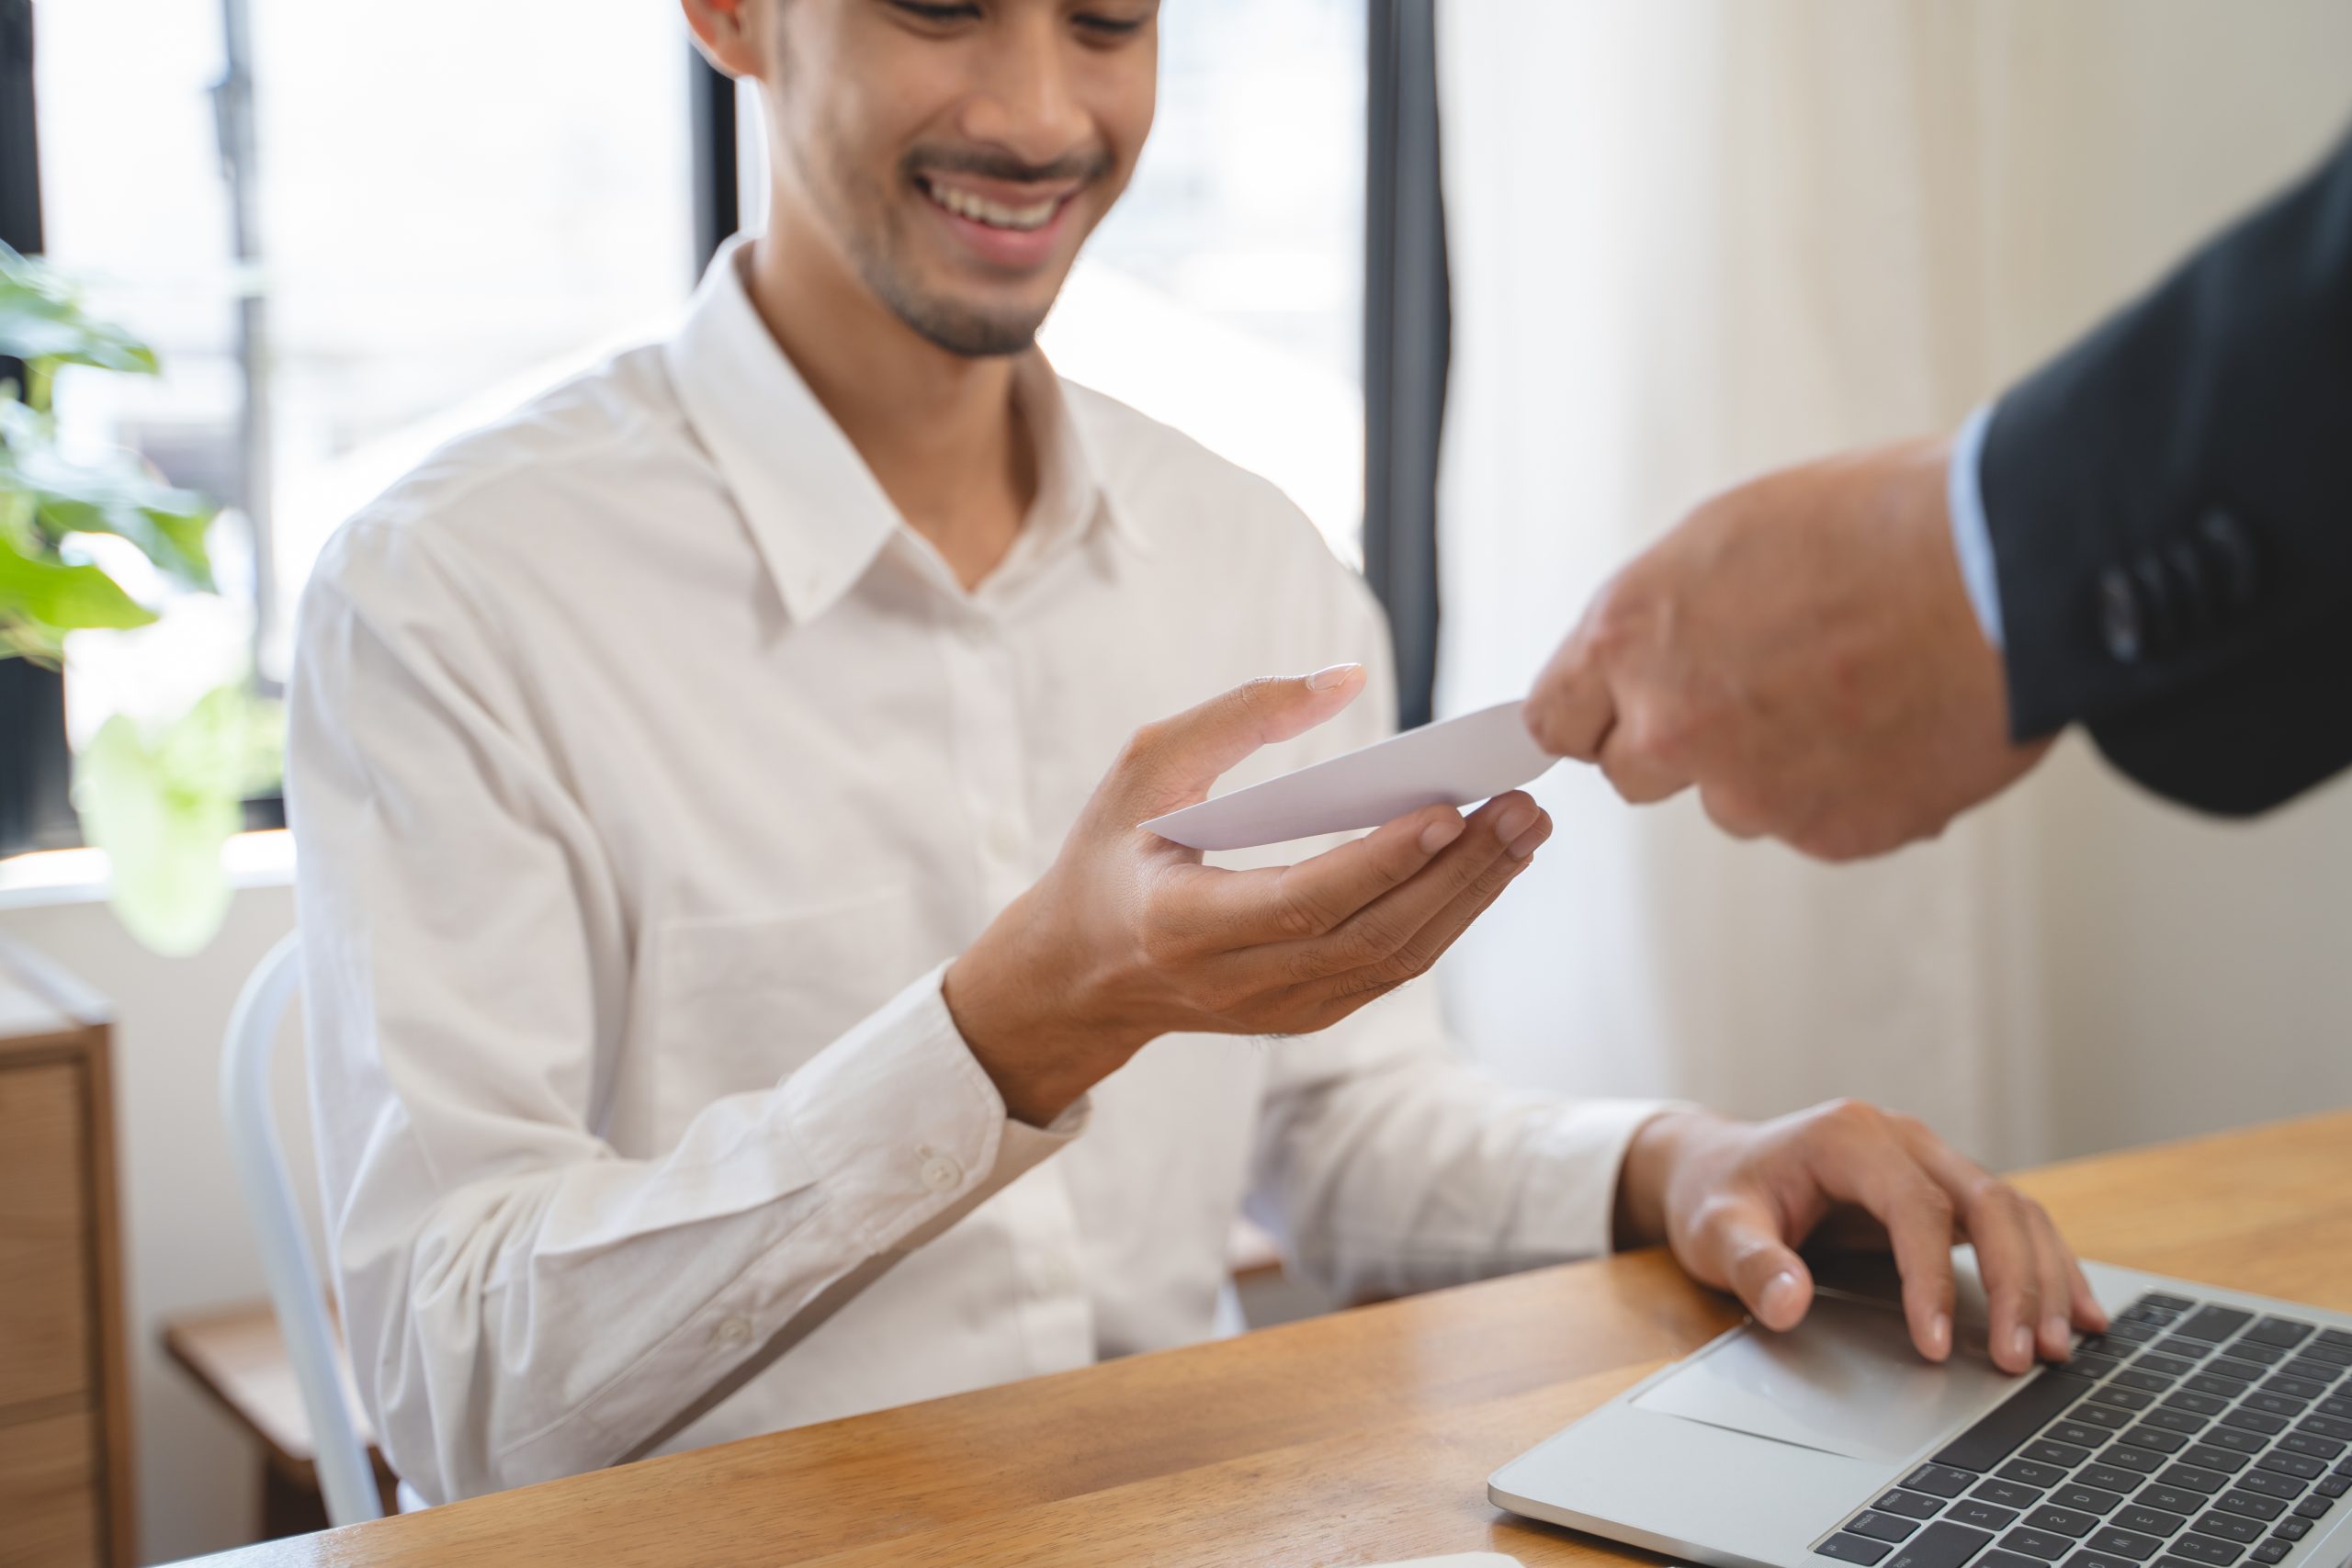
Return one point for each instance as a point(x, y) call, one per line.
point(2207, 1429)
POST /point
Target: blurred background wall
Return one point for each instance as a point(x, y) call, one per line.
point(1698, 238)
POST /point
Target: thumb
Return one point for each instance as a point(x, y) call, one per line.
point(1571, 709)
point(1740, 1249)
point(1173, 762)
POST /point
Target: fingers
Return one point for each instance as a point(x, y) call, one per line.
point(2055, 1336)
point(1862, 1161)
point(1172, 762)
point(1570, 710)
point(2067, 1303)
point(1420, 920)
point(1309, 899)
point(1638, 772)
point(1736, 813)
point(1915, 1189)
point(1918, 1226)
point(1736, 1245)
point(2035, 1291)
point(1574, 711)
point(1399, 934)
point(2009, 1254)
point(1430, 942)
point(2088, 1316)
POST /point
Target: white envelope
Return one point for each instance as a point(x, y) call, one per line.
point(1454, 762)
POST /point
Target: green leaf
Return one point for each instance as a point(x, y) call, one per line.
point(162, 841)
point(227, 744)
point(16, 529)
point(43, 645)
point(162, 803)
point(61, 597)
point(31, 334)
point(115, 496)
point(41, 319)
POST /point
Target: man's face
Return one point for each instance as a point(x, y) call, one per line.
point(957, 154)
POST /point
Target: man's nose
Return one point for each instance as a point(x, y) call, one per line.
point(1027, 101)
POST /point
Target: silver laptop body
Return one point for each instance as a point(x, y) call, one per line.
point(1762, 1448)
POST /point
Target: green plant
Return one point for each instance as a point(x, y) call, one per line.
point(160, 799)
point(47, 497)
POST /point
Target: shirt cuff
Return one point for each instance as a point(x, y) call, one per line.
point(902, 1124)
point(1570, 1206)
point(1972, 536)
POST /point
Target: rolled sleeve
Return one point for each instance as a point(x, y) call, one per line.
point(892, 1160)
point(1386, 1164)
point(894, 1169)
point(1577, 1157)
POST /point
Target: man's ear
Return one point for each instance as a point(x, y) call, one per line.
point(728, 33)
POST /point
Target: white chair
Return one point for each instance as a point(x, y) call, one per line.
point(346, 1478)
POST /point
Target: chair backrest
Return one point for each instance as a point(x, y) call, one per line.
point(346, 1478)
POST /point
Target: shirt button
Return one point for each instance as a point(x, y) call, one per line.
point(1005, 837)
point(733, 1331)
point(940, 1173)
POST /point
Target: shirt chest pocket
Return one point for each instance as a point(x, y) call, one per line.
point(740, 1002)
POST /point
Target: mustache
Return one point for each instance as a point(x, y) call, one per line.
point(1075, 167)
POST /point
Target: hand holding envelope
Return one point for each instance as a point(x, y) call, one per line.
point(1128, 936)
point(1717, 1190)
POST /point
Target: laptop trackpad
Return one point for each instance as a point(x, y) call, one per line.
point(1845, 1382)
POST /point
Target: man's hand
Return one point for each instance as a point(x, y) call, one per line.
point(1804, 650)
point(1736, 1199)
point(1128, 936)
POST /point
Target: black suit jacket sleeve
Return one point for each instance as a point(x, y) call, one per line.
point(2170, 506)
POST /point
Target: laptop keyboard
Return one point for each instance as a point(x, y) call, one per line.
point(2187, 1435)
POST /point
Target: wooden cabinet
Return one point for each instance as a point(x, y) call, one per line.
point(65, 1497)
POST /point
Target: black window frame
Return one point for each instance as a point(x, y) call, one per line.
point(36, 766)
point(1407, 340)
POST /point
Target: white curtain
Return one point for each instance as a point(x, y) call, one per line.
point(1692, 239)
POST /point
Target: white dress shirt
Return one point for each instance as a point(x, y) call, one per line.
point(646, 769)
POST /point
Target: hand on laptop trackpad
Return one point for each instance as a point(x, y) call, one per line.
point(1845, 1382)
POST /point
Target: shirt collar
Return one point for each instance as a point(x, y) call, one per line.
point(815, 510)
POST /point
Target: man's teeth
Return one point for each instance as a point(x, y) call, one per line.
point(963, 204)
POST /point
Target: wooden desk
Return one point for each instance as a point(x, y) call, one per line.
point(1352, 1438)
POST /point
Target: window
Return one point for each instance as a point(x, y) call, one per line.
point(445, 206)
point(1225, 294)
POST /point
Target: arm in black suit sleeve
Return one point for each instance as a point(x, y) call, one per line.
point(2170, 507)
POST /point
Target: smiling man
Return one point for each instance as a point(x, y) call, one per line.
point(738, 994)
